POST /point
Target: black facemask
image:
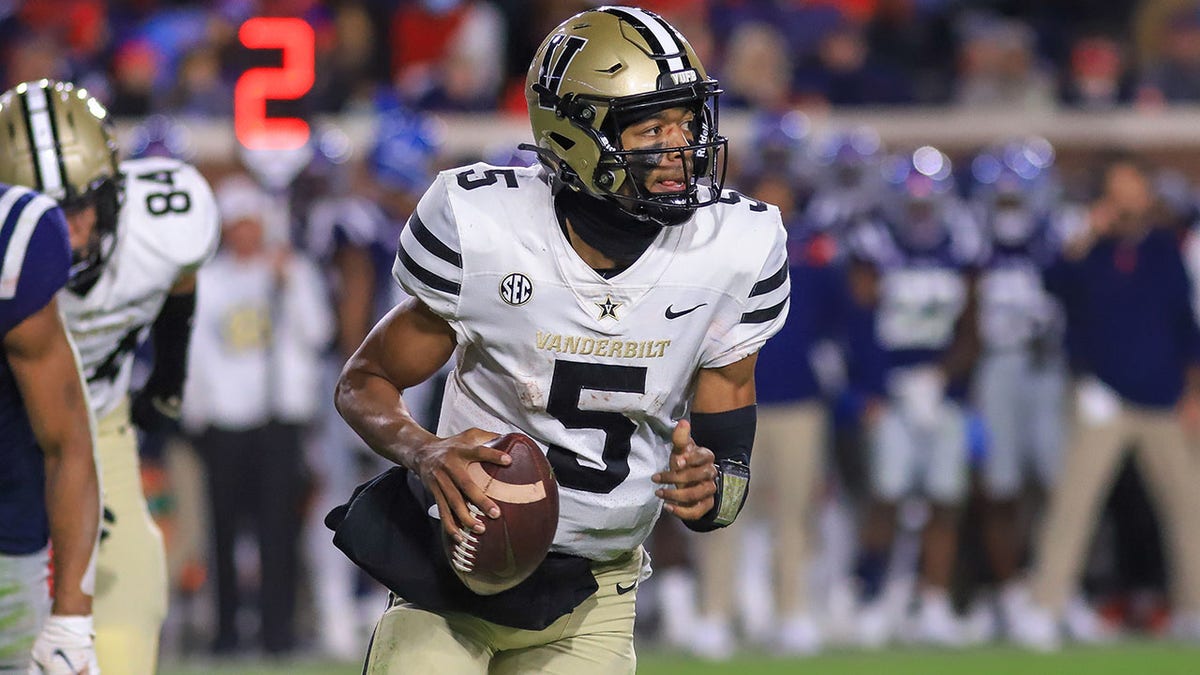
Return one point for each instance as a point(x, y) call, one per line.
point(605, 227)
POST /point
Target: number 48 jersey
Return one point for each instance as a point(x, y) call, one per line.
point(168, 226)
point(595, 369)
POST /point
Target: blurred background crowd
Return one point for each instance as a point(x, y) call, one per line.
point(911, 495)
point(180, 57)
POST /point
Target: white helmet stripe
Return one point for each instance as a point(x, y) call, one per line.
point(666, 39)
point(45, 146)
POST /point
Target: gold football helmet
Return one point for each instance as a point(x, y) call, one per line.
point(56, 138)
point(604, 69)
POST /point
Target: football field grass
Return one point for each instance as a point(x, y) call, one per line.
point(1124, 659)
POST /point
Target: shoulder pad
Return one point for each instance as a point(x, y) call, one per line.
point(170, 206)
point(35, 253)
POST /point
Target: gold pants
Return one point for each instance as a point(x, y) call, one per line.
point(595, 639)
point(131, 571)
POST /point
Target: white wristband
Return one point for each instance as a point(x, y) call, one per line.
point(75, 627)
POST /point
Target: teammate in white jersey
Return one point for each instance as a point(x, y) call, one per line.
point(592, 302)
point(142, 229)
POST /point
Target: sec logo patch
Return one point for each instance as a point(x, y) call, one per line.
point(516, 289)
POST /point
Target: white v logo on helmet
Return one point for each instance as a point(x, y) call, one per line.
point(558, 57)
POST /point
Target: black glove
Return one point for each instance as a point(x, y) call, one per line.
point(155, 413)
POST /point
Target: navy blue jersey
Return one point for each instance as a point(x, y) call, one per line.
point(784, 371)
point(35, 260)
point(1129, 316)
point(1015, 310)
point(922, 292)
point(333, 223)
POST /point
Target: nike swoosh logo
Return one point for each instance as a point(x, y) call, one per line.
point(63, 655)
point(622, 590)
point(675, 315)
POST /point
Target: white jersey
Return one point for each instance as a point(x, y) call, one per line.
point(596, 370)
point(168, 226)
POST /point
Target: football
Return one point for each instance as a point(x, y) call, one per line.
point(514, 544)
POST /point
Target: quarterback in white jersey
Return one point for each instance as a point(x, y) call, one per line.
point(597, 370)
point(138, 231)
point(592, 302)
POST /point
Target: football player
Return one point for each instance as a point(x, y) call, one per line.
point(791, 415)
point(848, 185)
point(592, 301)
point(915, 264)
point(49, 495)
point(140, 231)
point(1021, 383)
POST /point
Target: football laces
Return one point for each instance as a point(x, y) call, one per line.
point(463, 557)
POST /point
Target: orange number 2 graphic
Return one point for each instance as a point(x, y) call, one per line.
point(250, 122)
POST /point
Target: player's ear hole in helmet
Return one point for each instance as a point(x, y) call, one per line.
point(58, 139)
point(600, 73)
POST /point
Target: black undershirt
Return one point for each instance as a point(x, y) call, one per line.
point(605, 227)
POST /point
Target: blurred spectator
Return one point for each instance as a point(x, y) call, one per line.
point(1133, 341)
point(254, 386)
point(34, 57)
point(1150, 23)
point(1098, 76)
point(200, 88)
point(757, 71)
point(843, 72)
point(998, 65)
point(801, 24)
point(1175, 77)
point(135, 69)
point(344, 78)
point(449, 54)
point(175, 31)
point(916, 37)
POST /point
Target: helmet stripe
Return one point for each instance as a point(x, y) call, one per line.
point(655, 35)
point(43, 143)
point(686, 62)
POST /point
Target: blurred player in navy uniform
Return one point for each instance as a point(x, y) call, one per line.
point(590, 302)
point(916, 264)
point(50, 489)
point(1020, 385)
point(349, 220)
point(789, 447)
point(846, 179)
point(143, 229)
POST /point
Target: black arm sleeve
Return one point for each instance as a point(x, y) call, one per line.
point(172, 331)
point(730, 435)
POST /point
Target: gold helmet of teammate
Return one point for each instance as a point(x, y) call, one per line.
point(58, 139)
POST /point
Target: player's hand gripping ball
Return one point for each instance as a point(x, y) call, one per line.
point(514, 544)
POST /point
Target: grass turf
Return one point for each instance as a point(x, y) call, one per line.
point(1132, 658)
